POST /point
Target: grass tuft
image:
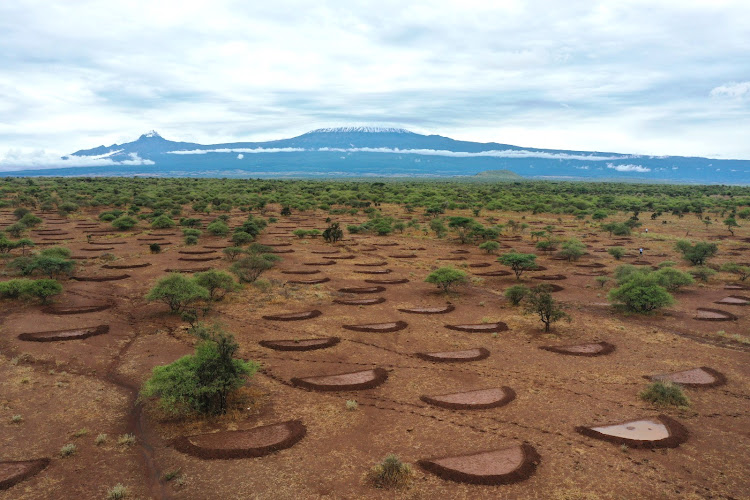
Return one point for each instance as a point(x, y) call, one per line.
point(664, 394)
point(391, 473)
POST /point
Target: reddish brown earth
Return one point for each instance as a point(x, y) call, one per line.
point(60, 388)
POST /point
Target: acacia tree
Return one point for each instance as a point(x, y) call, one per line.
point(539, 301)
point(697, 253)
point(177, 291)
point(447, 278)
point(518, 262)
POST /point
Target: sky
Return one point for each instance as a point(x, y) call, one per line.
point(644, 77)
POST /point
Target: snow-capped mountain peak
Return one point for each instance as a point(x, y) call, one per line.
point(152, 134)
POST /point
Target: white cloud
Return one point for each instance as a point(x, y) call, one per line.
point(20, 159)
point(629, 168)
point(234, 150)
point(508, 153)
point(734, 90)
point(240, 156)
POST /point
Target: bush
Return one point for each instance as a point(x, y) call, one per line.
point(740, 270)
point(447, 278)
point(519, 262)
point(672, 279)
point(390, 473)
point(664, 394)
point(333, 233)
point(516, 293)
point(30, 220)
point(218, 283)
point(68, 450)
point(299, 233)
point(702, 273)
point(124, 223)
point(177, 291)
point(539, 301)
point(616, 252)
point(240, 238)
point(43, 289)
point(698, 253)
point(249, 269)
point(233, 252)
point(117, 492)
point(162, 222)
point(191, 240)
point(572, 249)
point(16, 230)
point(201, 382)
point(490, 246)
point(218, 228)
point(155, 248)
point(641, 293)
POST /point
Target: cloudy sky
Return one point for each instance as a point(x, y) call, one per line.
point(651, 77)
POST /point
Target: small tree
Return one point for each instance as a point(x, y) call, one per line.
point(162, 222)
point(490, 246)
point(447, 278)
point(333, 233)
point(218, 283)
point(218, 228)
point(16, 230)
point(124, 223)
point(240, 238)
point(519, 262)
point(616, 252)
point(43, 289)
point(672, 279)
point(233, 252)
point(462, 226)
point(731, 223)
point(23, 243)
point(516, 293)
point(740, 270)
point(177, 291)
point(539, 301)
point(641, 293)
point(438, 227)
point(572, 249)
point(248, 269)
point(201, 382)
point(698, 253)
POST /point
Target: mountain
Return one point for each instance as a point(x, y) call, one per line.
point(386, 152)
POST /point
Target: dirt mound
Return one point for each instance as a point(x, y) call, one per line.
point(403, 256)
point(705, 314)
point(646, 433)
point(451, 258)
point(295, 316)
point(58, 239)
point(594, 273)
point(150, 240)
point(195, 252)
point(551, 277)
point(289, 250)
point(187, 270)
point(641, 263)
point(429, 310)
point(302, 271)
point(69, 334)
point(389, 244)
point(248, 443)
point(101, 249)
point(219, 247)
point(359, 302)
point(116, 277)
point(503, 466)
point(338, 257)
point(351, 381)
point(393, 326)
point(538, 268)
point(460, 251)
point(480, 264)
point(198, 259)
point(315, 281)
point(734, 300)
point(13, 472)
point(300, 344)
point(84, 309)
point(399, 281)
point(377, 271)
point(107, 242)
point(363, 289)
point(736, 286)
point(473, 400)
point(501, 272)
point(370, 264)
point(325, 252)
point(324, 263)
point(126, 266)
point(593, 265)
point(480, 327)
point(695, 377)
point(591, 349)
point(455, 356)
point(275, 245)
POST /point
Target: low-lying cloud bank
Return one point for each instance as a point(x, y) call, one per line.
point(17, 159)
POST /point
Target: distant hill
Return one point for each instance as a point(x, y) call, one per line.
point(386, 152)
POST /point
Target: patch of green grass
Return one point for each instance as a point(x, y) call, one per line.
point(391, 473)
point(67, 450)
point(117, 492)
point(664, 394)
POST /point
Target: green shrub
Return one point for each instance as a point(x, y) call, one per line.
point(117, 492)
point(68, 450)
point(240, 238)
point(201, 382)
point(572, 249)
point(249, 269)
point(218, 283)
point(333, 233)
point(516, 293)
point(218, 228)
point(672, 279)
point(124, 223)
point(740, 270)
point(16, 230)
point(43, 289)
point(30, 220)
point(539, 301)
point(616, 252)
point(641, 293)
point(233, 252)
point(518, 262)
point(390, 473)
point(177, 291)
point(696, 253)
point(702, 273)
point(162, 222)
point(447, 278)
point(154, 248)
point(664, 394)
point(490, 246)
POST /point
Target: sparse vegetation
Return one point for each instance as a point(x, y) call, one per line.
point(391, 473)
point(664, 394)
point(447, 278)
